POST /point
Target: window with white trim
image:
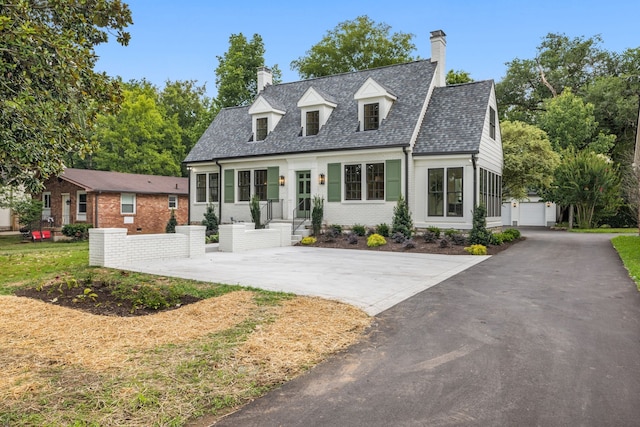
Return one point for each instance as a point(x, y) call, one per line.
point(373, 182)
point(262, 128)
point(173, 201)
point(451, 190)
point(207, 190)
point(127, 203)
point(81, 206)
point(244, 186)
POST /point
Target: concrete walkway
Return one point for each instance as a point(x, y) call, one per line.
point(373, 281)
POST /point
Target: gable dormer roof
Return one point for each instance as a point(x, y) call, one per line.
point(455, 119)
point(314, 97)
point(228, 135)
point(263, 105)
point(372, 89)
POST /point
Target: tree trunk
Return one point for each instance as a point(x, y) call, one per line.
point(571, 217)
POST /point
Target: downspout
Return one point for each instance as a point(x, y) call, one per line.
point(189, 196)
point(406, 175)
point(474, 161)
point(96, 218)
point(220, 195)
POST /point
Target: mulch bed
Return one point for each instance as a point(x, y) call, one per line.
point(421, 246)
point(104, 303)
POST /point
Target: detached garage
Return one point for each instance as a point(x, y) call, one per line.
point(528, 213)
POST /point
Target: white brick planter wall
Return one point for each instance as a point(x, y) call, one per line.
point(112, 247)
point(244, 237)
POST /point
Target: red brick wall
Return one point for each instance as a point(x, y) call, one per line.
point(152, 210)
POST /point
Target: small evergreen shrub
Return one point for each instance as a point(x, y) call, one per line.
point(430, 236)
point(316, 214)
point(409, 244)
point(210, 220)
point(398, 237)
point(376, 240)
point(254, 208)
point(383, 229)
point(309, 240)
point(359, 229)
point(77, 231)
point(402, 222)
point(476, 249)
point(479, 233)
point(171, 224)
point(434, 230)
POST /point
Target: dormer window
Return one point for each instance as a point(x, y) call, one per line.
point(374, 103)
point(315, 109)
point(262, 128)
point(264, 117)
point(371, 116)
point(313, 122)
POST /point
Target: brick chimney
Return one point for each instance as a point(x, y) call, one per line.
point(438, 54)
point(265, 78)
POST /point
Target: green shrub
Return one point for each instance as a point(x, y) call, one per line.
point(359, 229)
point(308, 240)
point(254, 208)
point(479, 234)
point(499, 238)
point(476, 249)
point(210, 220)
point(435, 231)
point(212, 238)
point(376, 240)
point(316, 214)
point(512, 232)
point(402, 222)
point(383, 229)
point(336, 228)
point(450, 232)
point(171, 224)
point(77, 231)
point(148, 296)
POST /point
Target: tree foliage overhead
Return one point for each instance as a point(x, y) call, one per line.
point(355, 45)
point(458, 76)
point(529, 159)
point(237, 71)
point(49, 91)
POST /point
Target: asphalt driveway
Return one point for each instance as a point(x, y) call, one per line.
point(544, 334)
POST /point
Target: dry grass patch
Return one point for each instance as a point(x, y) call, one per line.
point(62, 366)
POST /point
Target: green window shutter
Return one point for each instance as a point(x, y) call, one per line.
point(334, 179)
point(393, 175)
point(273, 193)
point(229, 188)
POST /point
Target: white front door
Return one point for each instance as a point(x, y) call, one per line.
point(66, 208)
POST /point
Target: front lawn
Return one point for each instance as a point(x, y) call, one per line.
point(226, 346)
point(628, 248)
point(604, 230)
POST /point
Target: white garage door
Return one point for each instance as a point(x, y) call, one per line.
point(532, 214)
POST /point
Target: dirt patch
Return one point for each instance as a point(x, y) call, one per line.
point(420, 246)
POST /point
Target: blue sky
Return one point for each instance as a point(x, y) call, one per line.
point(179, 40)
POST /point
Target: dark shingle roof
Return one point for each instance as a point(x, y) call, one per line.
point(454, 120)
point(92, 180)
point(229, 134)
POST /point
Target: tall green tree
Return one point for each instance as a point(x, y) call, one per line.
point(457, 77)
point(236, 74)
point(571, 124)
point(355, 45)
point(140, 138)
point(591, 182)
point(50, 94)
point(529, 159)
point(560, 62)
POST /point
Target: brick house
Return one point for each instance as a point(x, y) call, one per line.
point(139, 203)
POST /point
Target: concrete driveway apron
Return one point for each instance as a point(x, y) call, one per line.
point(544, 334)
point(370, 280)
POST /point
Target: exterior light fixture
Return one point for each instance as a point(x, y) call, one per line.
point(322, 179)
point(281, 181)
point(548, 204)
point(515, 205)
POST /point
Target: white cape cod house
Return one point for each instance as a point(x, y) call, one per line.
point(359, 140)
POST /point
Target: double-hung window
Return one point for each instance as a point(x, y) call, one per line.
point(353, 182)
point(173, 202)
point(214, 181)
point(313, 122)
point(127, 203)
point(201, 187)
point(207, 188)
point(375, 181)
point(371, 116)
point(244, 186)
point(435, 199)
point(260, 183)
point(261, 128)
